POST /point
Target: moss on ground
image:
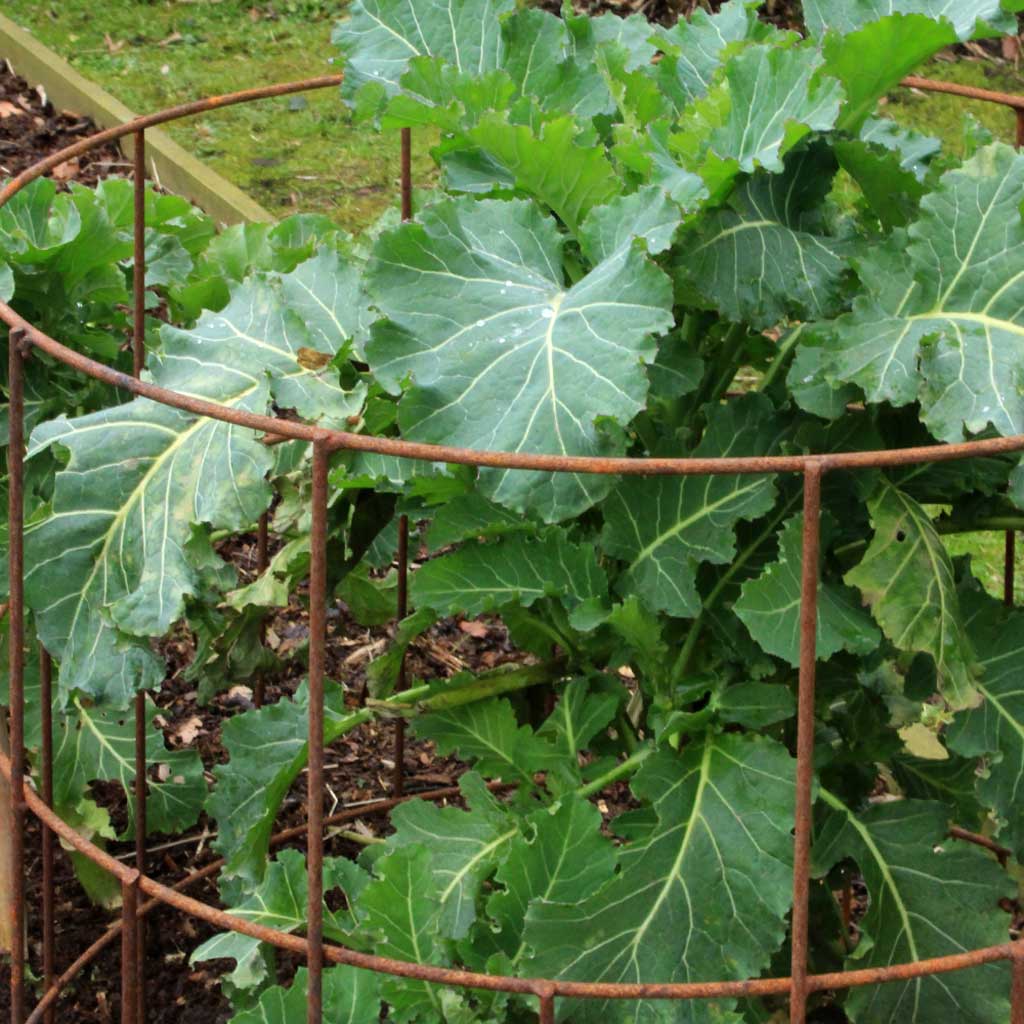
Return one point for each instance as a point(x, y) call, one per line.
point(290, 154)
point(943, 116)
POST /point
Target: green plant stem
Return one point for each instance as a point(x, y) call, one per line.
point(728, 358)
point(620, 771)
point(781, 356)
point(690, 644)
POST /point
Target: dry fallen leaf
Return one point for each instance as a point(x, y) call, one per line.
point(310, 359)
point(240, 692)
point(8, 109)
point(473, 628)
point(113, 47)
point(66, 171)
point(186, 732)
point(174, 37)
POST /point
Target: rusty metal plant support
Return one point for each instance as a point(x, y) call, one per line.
point(24, 338)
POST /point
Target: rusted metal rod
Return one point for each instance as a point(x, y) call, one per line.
point(129, 948)
point(1017, 989)
point(546, 996)
point(16, 665)
point(139, 263)
point(46, 836)
point(315, 773)
point(805, 741)
point(402, 599)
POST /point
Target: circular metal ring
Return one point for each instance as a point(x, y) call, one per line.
point(545, 989)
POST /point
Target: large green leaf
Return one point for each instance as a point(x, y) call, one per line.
point(518, 569)
point(488, 734)
point(906, 577)
point(995, 729)
point(267, 750)
point(693, 48)
point(401, 907)
point(501, 354)
point(664, 527)
point(466, 847)
point(869, 62)
point(562, 857)
point(326, 293)
point(766, 256)
point(382, 36)
point(569, 177)
point(843, 16)
point(350, 996)
point(279, 901)
point(928, 896)
point(769, 98)
point(116, 556)
point(940, 319)
point(769, 606)
point(36, 222)
point(93, 744)
point(705, 897)
point(646, 214)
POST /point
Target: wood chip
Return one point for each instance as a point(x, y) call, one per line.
point(66, 171)
point(186, 732)
point(474, 628)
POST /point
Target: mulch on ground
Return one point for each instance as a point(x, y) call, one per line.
point(30, 129)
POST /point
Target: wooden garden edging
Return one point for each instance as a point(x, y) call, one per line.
point(174, 167)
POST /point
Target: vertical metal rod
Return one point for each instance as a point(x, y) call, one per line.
point(140, 843)
point(46, 754)
point(547, 1007)
point(138, 364)
point(398, 785)
point(16, 667)
point(1017, 992)
point(406, 174)
point(129, 950)
point(262, 561)
point(139, 268)
point(1009, 566)
point(315, 774)
point(262, 543)
point(805, 739)
point(398, 778)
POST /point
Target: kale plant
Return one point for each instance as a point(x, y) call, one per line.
point(699, 240)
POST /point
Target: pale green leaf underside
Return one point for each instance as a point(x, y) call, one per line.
point(111, 560)
point(995, 729)
point(906, 577)
point(724, 809)
point(926, 900)
point(843, 16)
point(663, 527)
point(769, 606)
point(940, 321)
point(500, 354)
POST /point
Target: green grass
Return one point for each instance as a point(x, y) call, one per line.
point(942, 116)
point(290, 154)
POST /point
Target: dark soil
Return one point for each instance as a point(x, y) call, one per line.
point(31, 129)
